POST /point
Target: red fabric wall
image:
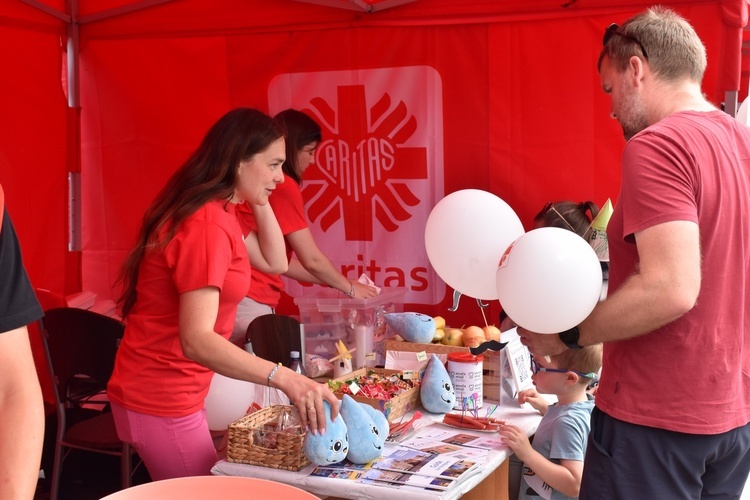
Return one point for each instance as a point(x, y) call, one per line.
point(522, 112)
point(34, 143)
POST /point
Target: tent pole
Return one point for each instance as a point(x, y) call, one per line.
point(730, 102)
point(70, 18)
point(74, 104)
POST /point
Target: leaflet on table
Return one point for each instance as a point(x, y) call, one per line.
point(457, 437)
point(391, 476)
point(424, 463)
point(453, 450)
point(394, 479)
point(337, 473)
point(400, 486)
point(344, 465)
point(450, 465)
point(366, 473)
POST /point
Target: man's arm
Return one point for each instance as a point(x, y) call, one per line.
point(22, 412)
point(664, 287)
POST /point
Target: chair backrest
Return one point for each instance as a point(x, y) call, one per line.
point(273, 336)
point(80, 346)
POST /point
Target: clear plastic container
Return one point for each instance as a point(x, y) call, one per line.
point(328, 317)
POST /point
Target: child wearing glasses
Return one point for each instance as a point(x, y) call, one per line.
point(553, 464)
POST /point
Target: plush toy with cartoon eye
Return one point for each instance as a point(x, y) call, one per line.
point(330, 447)
point(366, 437)
point(436, 390)
point(380, 420)
point(412, 326)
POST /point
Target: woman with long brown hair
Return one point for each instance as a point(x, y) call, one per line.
point(306, 261)
point(181, 286)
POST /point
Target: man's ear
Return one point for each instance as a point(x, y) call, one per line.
point(635, 66)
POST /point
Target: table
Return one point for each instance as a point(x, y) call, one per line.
point(489, 482)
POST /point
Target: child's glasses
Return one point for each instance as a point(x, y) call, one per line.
point(535, 368)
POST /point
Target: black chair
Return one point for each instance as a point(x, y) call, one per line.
point(274, 336)
point(80, 348)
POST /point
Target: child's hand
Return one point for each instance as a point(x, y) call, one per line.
point(534, 399)
point(517, 440)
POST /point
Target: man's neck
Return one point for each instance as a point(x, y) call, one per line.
point(669, 98)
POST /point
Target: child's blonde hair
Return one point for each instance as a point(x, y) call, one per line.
point(586, 360)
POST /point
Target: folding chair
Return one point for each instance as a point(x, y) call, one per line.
point(80, 348)
point(273, 336)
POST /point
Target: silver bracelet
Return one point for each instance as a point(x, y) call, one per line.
point(273, 372)
point(351, 291)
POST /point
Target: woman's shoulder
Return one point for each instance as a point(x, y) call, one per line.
point(215, 212)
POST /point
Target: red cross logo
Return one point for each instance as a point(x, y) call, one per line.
point(361, 163)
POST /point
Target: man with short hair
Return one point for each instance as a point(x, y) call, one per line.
point(673, 404)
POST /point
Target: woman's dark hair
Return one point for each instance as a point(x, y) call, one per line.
point(210, 173)
point(568, 215)
point(301, 130)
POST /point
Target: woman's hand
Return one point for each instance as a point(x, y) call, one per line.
point(308, 396)
point(362, 291)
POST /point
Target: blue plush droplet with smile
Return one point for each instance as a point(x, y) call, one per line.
point(366, 439)
point(412, 326)
point(436, 390)
point(381, 421)
point(330, 447)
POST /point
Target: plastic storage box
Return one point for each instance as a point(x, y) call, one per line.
point(329, 317)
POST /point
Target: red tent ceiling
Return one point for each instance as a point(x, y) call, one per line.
point(519, 109)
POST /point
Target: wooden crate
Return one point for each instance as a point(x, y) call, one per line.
point(491, 371)
point(394, 408)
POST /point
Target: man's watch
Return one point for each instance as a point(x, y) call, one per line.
point(570, 338)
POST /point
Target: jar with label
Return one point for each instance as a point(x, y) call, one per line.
point(465, 372)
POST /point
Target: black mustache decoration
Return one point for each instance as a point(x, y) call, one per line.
point(493, 345)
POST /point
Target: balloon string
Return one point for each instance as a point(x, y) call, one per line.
point(484, 317)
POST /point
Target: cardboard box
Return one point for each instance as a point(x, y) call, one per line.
point(329, 317)
point(394, 408)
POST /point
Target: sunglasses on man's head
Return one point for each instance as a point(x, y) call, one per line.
point(614, 29)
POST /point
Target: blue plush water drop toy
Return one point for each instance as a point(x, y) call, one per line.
point(436, 391)
point(330, 447)
point(366, 440)
point(412, 326)
point(380, 420)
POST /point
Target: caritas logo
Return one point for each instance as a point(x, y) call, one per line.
point(378, 171)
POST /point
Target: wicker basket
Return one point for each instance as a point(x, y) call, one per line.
point(289, 453)
point(393, 409)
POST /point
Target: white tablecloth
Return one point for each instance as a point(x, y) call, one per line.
point(525, 417)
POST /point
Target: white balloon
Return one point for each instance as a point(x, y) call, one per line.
point(549, 280)
point(227, 400)
point(465, 236)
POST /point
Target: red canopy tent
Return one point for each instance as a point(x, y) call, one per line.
point(503, 96)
